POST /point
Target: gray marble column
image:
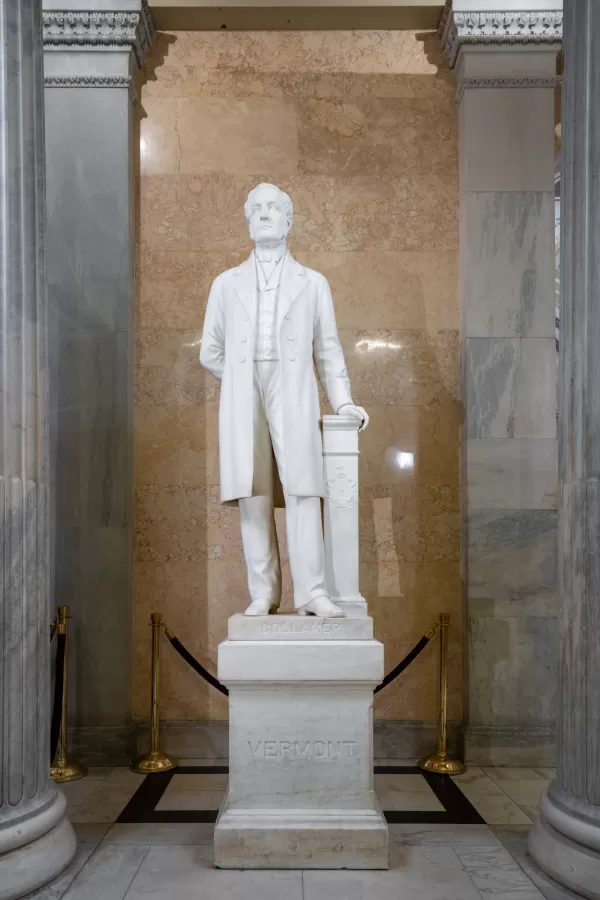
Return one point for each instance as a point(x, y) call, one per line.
point(566, 840)
point(36, 841)
point(93, 50)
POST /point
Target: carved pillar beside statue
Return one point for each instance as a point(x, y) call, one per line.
point(93, 50)
point(340, 525)
point(565, 842)
point(505, 62)
point(36, 839)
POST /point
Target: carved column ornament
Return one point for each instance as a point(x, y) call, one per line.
point(97, 30)
point(534, 24)
point(101, 29)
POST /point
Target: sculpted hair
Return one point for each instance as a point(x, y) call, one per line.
point(288, 206)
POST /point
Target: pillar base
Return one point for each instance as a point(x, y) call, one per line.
point(40, 848)
point(567, 849)
point(301, 793)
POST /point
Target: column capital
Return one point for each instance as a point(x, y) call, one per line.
point(99, 25)
point(513, 22)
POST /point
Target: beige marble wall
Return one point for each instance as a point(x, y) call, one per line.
point(360, 128)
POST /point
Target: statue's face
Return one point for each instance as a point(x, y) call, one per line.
point(267, 220)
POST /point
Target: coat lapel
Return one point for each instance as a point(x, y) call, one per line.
point(244, 284)
point(293, 282)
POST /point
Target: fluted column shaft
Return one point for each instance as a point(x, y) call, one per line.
point(36, 841)
point(566, 840)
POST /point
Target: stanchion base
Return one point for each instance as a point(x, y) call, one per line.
point(441, 765)
point(67, 770)
point(155, 761)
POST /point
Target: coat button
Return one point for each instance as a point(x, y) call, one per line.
point(242, 359)
point(244, 339)
point(287, 315)
point(290, 337)
point(292, 357)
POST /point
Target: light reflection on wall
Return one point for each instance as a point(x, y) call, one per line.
point(367, 345)
point(400, 459)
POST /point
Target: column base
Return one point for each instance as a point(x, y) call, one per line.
point(567, 849)
point(43, 845)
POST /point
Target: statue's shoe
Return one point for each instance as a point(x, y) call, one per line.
point(322, 607)
point(260, 608)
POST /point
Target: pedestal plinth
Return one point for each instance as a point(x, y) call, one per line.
point(301, 790)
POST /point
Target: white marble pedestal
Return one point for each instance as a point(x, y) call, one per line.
point(300, 745)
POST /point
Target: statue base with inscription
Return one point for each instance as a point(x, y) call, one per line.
point(301, 792)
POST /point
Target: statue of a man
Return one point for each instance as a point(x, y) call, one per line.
point(266, 321)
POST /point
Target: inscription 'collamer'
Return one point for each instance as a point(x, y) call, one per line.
point(319, 627)
point(302, 749)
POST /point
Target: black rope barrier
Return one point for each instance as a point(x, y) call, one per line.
point(406, 661)
point(61, 643)
point(193, 662)
point(199, 668)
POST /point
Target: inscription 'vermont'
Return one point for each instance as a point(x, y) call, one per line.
point(302, 749)
point(300, 627)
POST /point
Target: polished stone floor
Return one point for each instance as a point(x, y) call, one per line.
point(141, 839)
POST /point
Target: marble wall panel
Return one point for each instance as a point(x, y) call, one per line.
point(512, 563)
point(512, 670)
point(510, 264)
point(512, 474)
point(507, 387)
point(361, 130)
point(331, 212)
point(507, 118)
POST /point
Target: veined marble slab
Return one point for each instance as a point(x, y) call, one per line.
point(299, 628)
point(301, 788)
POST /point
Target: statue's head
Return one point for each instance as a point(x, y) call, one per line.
point(269, 213)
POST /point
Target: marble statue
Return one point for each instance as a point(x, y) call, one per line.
point(266, 321)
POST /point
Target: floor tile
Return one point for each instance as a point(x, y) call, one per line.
point(405, 792)
point(190, 800)
point(203, 761)
point(186, 873)
point(416, 873)
point(473, 773)
point(496, 874)
point(108, 873)
point(491, 801)
point(532, 811)
point(55, 889)
point(526, 793)
point(515, 841)
point(404, 763)
point(78, 791)
point(90, 834)
point(125, 777)
point(104, 804)
point(160, 833)
point(514, 773)
point(212, 782)
point(474, 835)
point(100, 771)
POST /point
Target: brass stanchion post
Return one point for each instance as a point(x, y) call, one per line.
point(62, 768)
point(155, 761)
point(439, 762)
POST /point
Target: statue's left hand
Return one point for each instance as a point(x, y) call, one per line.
point(357, 412)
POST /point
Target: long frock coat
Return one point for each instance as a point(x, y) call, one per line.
point(307, 332)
